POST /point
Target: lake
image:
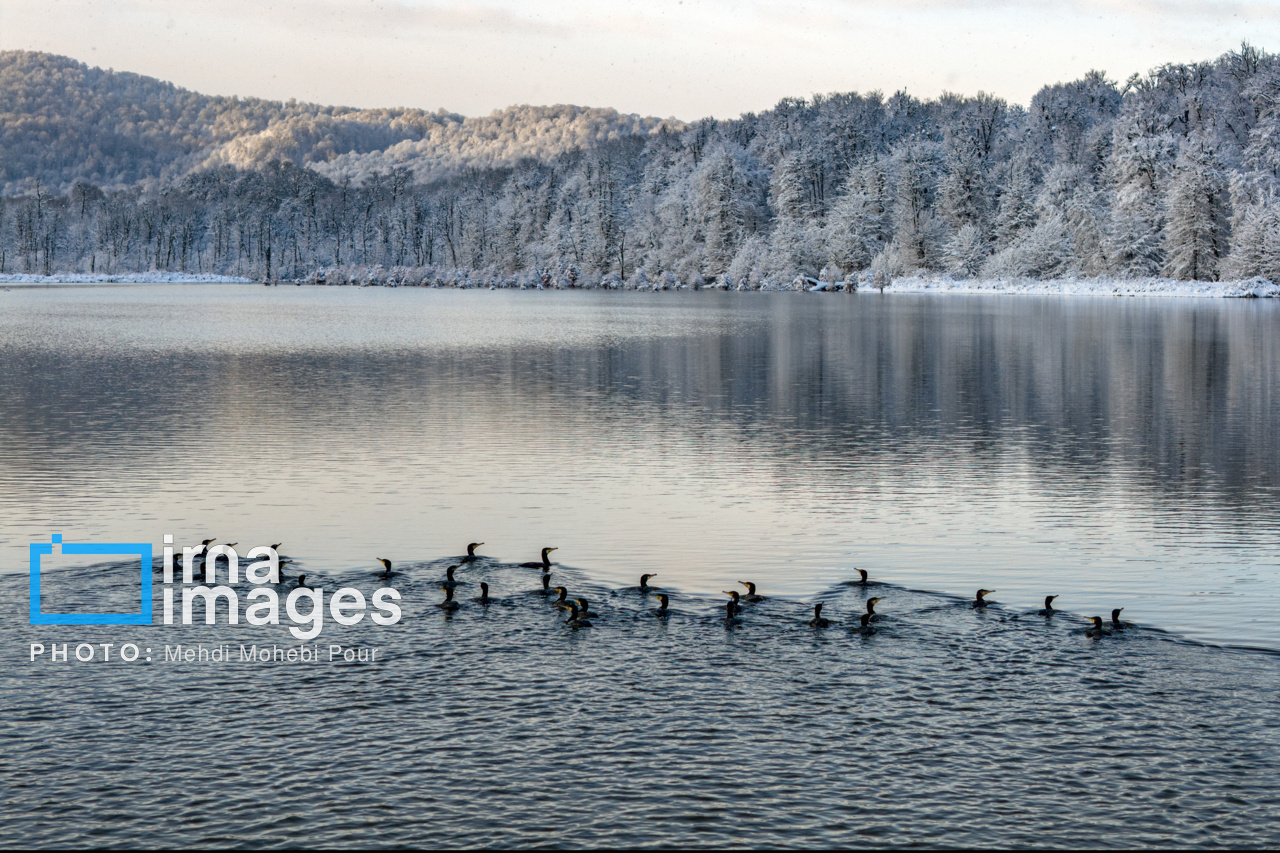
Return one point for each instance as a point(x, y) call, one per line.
point(1113, 452)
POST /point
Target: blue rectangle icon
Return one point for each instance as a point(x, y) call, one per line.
point(142, 550)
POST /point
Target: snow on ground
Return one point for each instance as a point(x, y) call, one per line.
point(152, 277)
point(1254, 287)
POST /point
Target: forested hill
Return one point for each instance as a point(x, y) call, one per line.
point(1174, 172)
point(62, 121)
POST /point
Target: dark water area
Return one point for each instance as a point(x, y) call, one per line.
point(501, 726)
point(1117, 453)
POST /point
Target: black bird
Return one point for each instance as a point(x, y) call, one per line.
point(546, 585)
point(448, 605)
point(1096, 630)
point(276, 547)
point(302, 582)
point(664, 602)
point(980, 599)
point(864, 625)
point(546, 561)
point(483, 598)
point(1048, 606)
point(817, 621)
point(751, 592)
point(862, 572)
point(585, 608)
point(737, 599)
point(644, 582)
point(731, 612)
point(575, 620)
point(561, 592)
point(471, 550)
point(449, 581)
point(386, 567)
point(871, 608)
point(1115, 619)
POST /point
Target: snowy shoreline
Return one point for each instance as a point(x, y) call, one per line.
point(1253, 288)
point(1145, 287)
point(153, 277)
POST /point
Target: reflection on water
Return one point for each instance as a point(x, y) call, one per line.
point(1117, 452)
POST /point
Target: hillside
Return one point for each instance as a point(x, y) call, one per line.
point(62, 121)
point(1171, 174)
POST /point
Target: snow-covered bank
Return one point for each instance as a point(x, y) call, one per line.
point(152, 277)
point(1248, 288)
point(463, 279)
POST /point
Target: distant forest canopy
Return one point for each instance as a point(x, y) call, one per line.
point(1173, 173)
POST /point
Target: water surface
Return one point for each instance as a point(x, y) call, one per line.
point(1115, 452)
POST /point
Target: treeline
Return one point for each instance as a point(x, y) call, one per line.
point(1173, 173)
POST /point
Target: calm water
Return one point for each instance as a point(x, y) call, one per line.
point(1114, 452)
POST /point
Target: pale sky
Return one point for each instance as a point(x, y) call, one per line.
point(663, 57)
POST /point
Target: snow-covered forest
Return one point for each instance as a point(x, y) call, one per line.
point(1172, 173)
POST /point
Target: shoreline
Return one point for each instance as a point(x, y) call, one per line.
point(1255, 288)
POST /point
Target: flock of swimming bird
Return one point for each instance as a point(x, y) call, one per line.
point(579, 613)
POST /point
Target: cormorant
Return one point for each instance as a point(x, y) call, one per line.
point(386, 567)
point(561, 592)
point(871, 608)
point(817, 621)
point(484, 595)
point(449, 580)
point(546, 585)
point(448, 605)
point(733, 593)
point(864, 625)
point(980, 599)
point(546, 561)
point(585, 608)
point(1048, 606)
point(664, 602)
point(644, 582)
point(471, 550)
point(276, 547)
point(1096, 630)
point(862, 572)
point(302, 582)
point(1115, 619)
point(575, 620)
point(751, 592)
point(731, 612)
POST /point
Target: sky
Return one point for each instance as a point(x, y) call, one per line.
point(662, 57)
